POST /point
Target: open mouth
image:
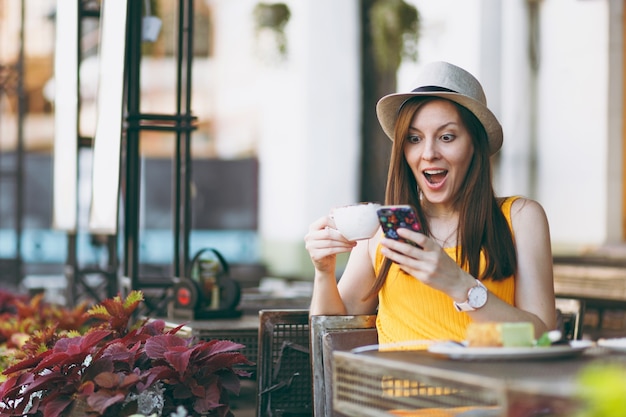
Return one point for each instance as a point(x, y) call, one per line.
point(435, 176)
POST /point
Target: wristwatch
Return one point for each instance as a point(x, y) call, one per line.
point(476, 298)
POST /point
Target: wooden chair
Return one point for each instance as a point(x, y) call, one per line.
point(332, 333)
point(570, 314)
point(294, 367)
point(284, 364)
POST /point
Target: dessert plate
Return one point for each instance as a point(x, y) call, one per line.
point(458, 351)
point(616, 344)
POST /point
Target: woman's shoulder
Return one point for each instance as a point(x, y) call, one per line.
point(525, 209)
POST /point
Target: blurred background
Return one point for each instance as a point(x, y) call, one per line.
point(278, 99)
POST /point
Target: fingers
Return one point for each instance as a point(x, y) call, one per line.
point(415, 240)
point(404, 254)
point(320, 223)
point(323, 240)
point(327, 238)
point(323, 229)
point(426, 243)
point(419, 261)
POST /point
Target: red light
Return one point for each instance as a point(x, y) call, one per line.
point(183, 296)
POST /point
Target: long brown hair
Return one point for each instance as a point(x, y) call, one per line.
point(482, 225)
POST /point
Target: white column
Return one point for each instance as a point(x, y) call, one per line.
point(310, 130)
point(516, 155)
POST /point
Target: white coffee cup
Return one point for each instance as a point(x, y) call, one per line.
point(356, 221)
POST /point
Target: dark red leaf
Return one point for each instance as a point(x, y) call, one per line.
point(96, 367)
point(224, 360)
point(72, 345)
point(209, 401)
point(230, 381)
point(107, 380)
point(196, 389)
point(119, 352)
point(156, 346)
point(134, 337)
point(129, 381)
point(103, 399)
point(153, 328)
point(157, 373)
point(45, 382)
point(57, 360)
point(56, 406)
point(11, 385)
point(213, 347)
point(179, 360)
point(13, 397)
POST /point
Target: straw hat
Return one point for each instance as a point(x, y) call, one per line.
point(441, 79)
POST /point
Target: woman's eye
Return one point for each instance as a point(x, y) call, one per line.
point(447, 138)
point(413, 139)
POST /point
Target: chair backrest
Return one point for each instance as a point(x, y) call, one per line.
point(284, 364)
point(330, 333)
point(570, 317)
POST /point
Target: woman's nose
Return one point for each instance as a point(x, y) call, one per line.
point(430, 150)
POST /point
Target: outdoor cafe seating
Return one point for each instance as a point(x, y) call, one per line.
point(297, 364)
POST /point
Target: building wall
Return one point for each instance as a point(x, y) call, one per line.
point(572, 120)
point(302, 114)
point(561, 113)
point(560, 126)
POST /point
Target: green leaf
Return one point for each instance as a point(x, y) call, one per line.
point(544, 340)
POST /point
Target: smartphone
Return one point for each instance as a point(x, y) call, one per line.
point(392, 218)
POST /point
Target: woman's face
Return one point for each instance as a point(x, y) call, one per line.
point(439, 149)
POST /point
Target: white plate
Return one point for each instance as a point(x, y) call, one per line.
point(455, 351)
point(616, 344)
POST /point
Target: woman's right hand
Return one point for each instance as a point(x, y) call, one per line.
point(324, 242)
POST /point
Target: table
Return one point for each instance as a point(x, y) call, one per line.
point(417, 383)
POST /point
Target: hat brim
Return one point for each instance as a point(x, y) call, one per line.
point(387, 111)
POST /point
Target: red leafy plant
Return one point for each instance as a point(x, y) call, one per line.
point(30, 325)
point(116, 370)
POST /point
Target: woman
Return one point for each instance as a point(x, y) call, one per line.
point(480, 258)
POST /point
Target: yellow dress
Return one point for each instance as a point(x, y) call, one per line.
point(409, 310)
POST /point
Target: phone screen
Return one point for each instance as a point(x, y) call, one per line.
point(394, 217)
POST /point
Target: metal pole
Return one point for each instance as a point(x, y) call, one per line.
point(21, 105)
point(131, 181)
point(71, 260)
point(182, 171)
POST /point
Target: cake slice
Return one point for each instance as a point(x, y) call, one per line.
point(492, 334)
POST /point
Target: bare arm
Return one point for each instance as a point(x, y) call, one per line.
point(534, 287)
point(359, 277)
point(534, 291)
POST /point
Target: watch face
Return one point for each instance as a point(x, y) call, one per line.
point(477, 297)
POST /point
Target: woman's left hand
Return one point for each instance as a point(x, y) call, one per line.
point(428, 263)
